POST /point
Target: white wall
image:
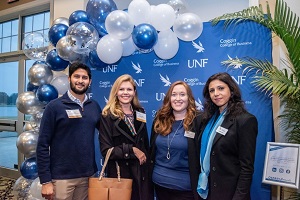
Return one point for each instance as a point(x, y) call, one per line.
point(205, 9)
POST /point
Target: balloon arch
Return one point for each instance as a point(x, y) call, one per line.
point(97, 36)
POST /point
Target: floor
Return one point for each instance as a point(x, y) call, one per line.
point(8, 150)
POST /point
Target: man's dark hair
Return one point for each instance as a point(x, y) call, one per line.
point(76, 65)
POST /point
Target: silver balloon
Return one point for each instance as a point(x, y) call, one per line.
point(61, 83)
point(66, 48)
point(26, 143)
point(21, 188)
point(35, 120)
point(178, 6)
point(40, 74)
point(89, 37)
point(35, 46)
point(61, 20)
point(28, 103)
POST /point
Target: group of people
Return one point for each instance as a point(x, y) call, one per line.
point(190, 154)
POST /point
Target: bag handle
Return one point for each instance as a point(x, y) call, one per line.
point(105, 163)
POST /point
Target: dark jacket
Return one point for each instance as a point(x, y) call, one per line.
point(71, 140)
point(193, 154)
point(115, 133)
point(232, 159)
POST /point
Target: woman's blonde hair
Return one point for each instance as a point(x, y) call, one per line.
point(165, 117)
point(113, 105)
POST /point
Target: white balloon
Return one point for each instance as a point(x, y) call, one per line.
point(61, 83)
point(139, 12)
point(179, 6)
point(128, 47)
point(167, 44)
point(162, 17)
point(119, 24)
point(188, 26)
point(109, 49)
point(61, 20)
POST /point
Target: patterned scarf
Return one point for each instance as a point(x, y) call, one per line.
point(207, 139)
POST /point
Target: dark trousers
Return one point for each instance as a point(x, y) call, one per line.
point(163, 193)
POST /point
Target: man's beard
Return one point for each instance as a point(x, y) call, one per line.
point(76, 91)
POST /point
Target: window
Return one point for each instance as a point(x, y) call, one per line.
point(9, 36)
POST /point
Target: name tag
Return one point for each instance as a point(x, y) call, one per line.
point(222, 130)
point(189, 134)
point(74, 113)
point(141, 116)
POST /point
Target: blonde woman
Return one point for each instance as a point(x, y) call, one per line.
point(123, 126)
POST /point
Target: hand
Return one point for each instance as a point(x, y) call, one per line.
point(48, 191)
point(140, 155)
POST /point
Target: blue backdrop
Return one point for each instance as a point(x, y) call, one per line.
point(194, 63)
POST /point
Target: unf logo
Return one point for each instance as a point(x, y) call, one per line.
point(236, 64)
point(139, 82)
point(198, 46)
point(137, 68)
point(199, 105)
point(165, 80)
point(197, 63)
point(109, 69)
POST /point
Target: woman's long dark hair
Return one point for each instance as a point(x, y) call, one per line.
point(235, 104)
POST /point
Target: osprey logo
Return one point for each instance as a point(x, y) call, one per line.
point(198, 46)
point(105, 100)
point(235, 65)
point(137, 68)
point(166, 80)
point(199, 104)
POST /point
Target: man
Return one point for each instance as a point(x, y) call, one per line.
point(65, 149)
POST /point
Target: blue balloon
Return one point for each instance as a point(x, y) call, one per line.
point(56, 32)
point(28, 168)
point(78, 16)
point(97, 11)
point(55, 62)
point(95, 61)
point(31, 87)
point(144, 36)
point(46, 93)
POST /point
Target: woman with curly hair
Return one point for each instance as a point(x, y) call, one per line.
point(174, 161)
point(228, 142)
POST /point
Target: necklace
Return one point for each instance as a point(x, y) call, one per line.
point(169, 143)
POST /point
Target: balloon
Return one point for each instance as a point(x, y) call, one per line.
point(167, 45)
point(66, 48)
point(61, 83)
point(139, 12)
point(56, 32)
point(144, 37)
point(28, 103)
point(119, 24)
point(21, 188)
point(97, 11)
point(95, 60)
point(46, 93)
point(35, 46)
point(31, 87)
point(61, 20)
point(35, 120)
point(88, 37)
point(78, 16)
point(40, 74)
point(55, 62)
point(27, 127)
point(26, 143)
point(178, 6)
point(128, 47)
point(162, 17)
point(28, 168)
point(36, 189)
point(109, 49)
point(188, 27)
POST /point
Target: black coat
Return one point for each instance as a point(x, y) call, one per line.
point(232, 159)
point(193, 154)
point(114, 132)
